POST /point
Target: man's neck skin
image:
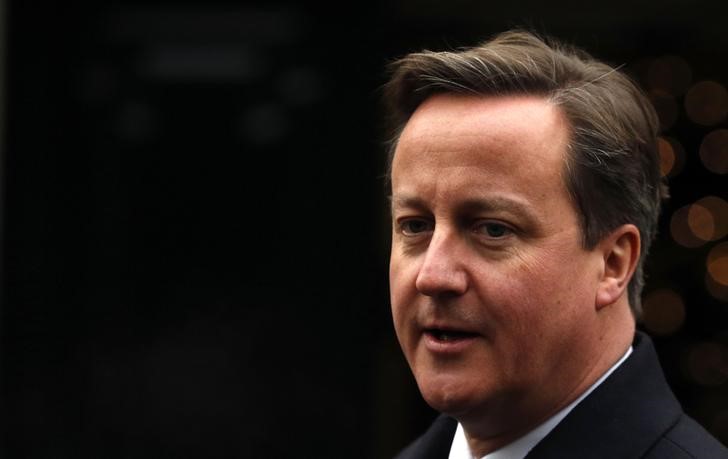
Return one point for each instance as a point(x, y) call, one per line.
point(501, 423)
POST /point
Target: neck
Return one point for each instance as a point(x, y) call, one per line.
point(515, 415)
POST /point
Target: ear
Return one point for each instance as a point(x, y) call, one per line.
point(621, 251)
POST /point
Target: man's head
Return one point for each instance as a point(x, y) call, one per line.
point(525, 188)
point(612, 166)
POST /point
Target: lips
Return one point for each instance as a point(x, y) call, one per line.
point(448, 335)
point(447, 340)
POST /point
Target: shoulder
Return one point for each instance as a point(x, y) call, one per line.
point(632, 414)
point(434, 443)
point(687, 440)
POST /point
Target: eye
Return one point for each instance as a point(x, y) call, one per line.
point(493, 230)
point(415, 226)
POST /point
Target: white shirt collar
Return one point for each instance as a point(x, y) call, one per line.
point(520, 447)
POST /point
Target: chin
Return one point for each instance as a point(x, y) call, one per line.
point(450, 397)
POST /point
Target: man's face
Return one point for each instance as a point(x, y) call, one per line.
point(493, 296)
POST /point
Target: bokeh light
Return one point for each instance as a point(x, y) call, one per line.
point(663, 311)
point(681, 231)
point(718, 263)
point(707, 364)
point(670, 74)
point(706, 103)
point(672, 156)
point(701, 222)
point(708, 218)
point(714, 151)
point(666, 107)
point(716, 290)
point(667, 156)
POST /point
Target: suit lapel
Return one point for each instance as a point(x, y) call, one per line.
point(434, 443)
point(623, 417)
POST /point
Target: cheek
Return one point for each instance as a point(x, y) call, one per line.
point(402, 277)
point(534, 292)
point(401, 292)
point(563, 300)
point(552, 268)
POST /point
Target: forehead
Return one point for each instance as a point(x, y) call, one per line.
point(520, 133)
point(458, 147)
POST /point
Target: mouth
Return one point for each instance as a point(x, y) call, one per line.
point(446, 341)
point(439, 334)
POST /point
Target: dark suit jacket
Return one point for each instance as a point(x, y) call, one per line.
point(632, 414)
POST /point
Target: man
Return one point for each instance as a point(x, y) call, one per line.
point(525, 193)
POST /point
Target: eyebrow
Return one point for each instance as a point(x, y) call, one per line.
point(471, 205)
point(411, 202)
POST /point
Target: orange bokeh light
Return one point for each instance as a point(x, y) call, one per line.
point(717, 264)
point(707, 364)
point(681, 231)
point(716, 290)
point(670, 74)
point(667, 156)
point(700, 222)
point(663, 311)
point(675, 154)
point(714, 151)
point(715, 215)
point(706, 103)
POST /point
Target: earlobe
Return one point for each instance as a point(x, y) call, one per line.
point(621, 251)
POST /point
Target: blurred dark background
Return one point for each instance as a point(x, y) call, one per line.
point(195, 230)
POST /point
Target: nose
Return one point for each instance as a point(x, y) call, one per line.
point(442, 272)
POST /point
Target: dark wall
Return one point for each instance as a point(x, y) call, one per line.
point(195, 232)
